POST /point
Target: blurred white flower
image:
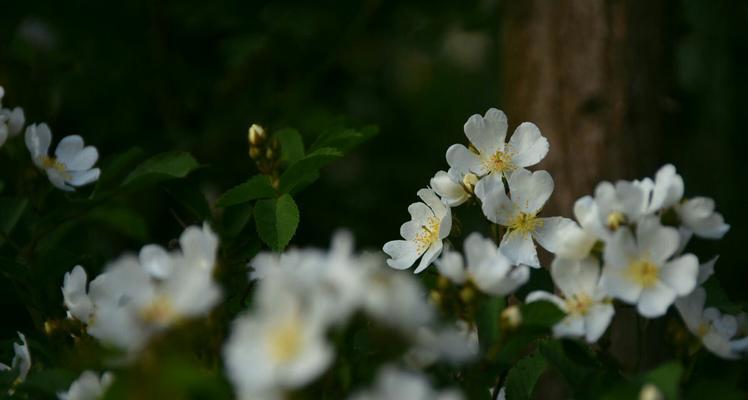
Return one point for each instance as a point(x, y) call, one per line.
point(88, 386)
point(21, 363)
point(431, 222)
point(490, 154)
point(716, 331)
point(137, 297)
point(453, 187)
point(640, 270)
point(666, 190)
point(487, 268)
point(698, 216)
point(11, 120)
point(624, 203)
point(397, 384)
point(453, 344)
point(72, 163)
point(588, 310)
point(577, 240)
point(518, 212)
point(397, 300)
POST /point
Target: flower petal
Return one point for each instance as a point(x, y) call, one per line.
point(656, 241)
point(681, 274)
point(462, 159)
point(530, 190)
point(496, 205)
point(487, 133)
point(597, 320)
point(38, 137)
point(451, 192)
point(655, 300)
point(434, 202)
point(81, 178)
point(615, 283)
point(404, 253)
point(519, 249)
point(576, 277)
point(571, 326)
point(527, 145)
point(551, 232)
point(621, 249)
point(452, 266)
point(667, 190)
point(429, 256)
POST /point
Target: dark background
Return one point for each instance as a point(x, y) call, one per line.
point(193, 75)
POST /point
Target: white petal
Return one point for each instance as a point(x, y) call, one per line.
point(691, 308)
point(668, 188)
point(487, 133)
point(156, 261)
point(434, 202)
point(552, 231)
point(706, 270)
point(38, 138)
point(16, 121)
point(496, 205)
point(445, 225)
point(528, 145)
point(404, 253)
point(519, 249)
point(478, 249)
point(429, 256)
point(616, 284)
point(462, 159)
point(75, 294)
point(571, 326)
point(597, 320)
point(681, 274)
point(420, 213)
point(69, 148)
point(576, 277)
point(452, 266)
point(491, 280)
point(656, 241)
point(575, 243)
point(655, 300)
point(410, 229)
point(540, 295)
point(621, 249)
point(632, 199)
point(58, 180)
point(451, 192)
point(81, 178)
point(698, 215)
point(530, 190)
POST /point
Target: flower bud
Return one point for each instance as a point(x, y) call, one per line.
point(254, 152)
point(256, 135)
point(650, 392)
point(511, 317)
point(469, 182)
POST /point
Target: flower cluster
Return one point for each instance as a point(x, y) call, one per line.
point(282, 344)
point(138, 296)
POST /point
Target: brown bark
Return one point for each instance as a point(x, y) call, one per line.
point(590, 74)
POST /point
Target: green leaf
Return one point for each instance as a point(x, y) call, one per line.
point(276, 221)
point(257, 187)
point(189, 195)
point(291, 144)
point(541, 314)
point(115, 169)
point(521, 379)
point(344, 139)
point(300, 172)
point(667, 378)
point(122, 220)
point(49, 381)
point(488, 320)
point(11, 211)
point(235, 218)
point(174, 164)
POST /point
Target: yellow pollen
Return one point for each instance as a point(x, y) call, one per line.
point(285, 341)
point(428, 235)
point(469, 182)
point(159, 311)
point(616, 219)
point(51, 162)
point(578, 304)
point(525, 223)
point(644, 272)
point(501, 161)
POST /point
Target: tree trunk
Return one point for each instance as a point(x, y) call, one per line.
point(590, 75)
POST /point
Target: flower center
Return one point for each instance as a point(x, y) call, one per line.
point(51, 162)
point(428, 235)
point(703, 329)
point(285, 341)
point(525, 223)
point(644, 272)
point(578, 304)
point(615, 219)
point(501, 161)
point(159, 311)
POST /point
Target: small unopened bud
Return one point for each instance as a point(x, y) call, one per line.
point(50, 327)
point(650, 392)
point(467, 294)
point(435, 297)
point(511, 317)
point(442, 282)
point(269, 154)
point(254, 152)
point(469, 182)
point(256, 135)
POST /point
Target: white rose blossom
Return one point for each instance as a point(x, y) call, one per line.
point(88, 386)
point(453, 187)
point(21, 362)
point(518, 212)
point(639, 270)
point(72, 164)
point(587, 307)
point(697, 216)
point(487, 268)
point(431, 222)
point(11, 120)
point(490, 153)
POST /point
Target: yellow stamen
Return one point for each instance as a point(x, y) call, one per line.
point(51, 162)
point(285, 340)
point(159, 311)
point(428, 235)
point(578, 304)
point(501, 161)
point(644, 272)
point(525, 223)
point(615, 220)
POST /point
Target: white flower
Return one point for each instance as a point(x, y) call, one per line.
point(11, 120)
point(518, 212)
point(624, 203)
point(454, 345)
point(397, 300)
point(488, 269)
point(667, 189)
point(588, 311)
point(396, 384)
point(278, 347)
point(698, 215)
point(715, 330)
point(430, 223)
point(89, 386)
point(453, 187)
point(137, 297)
point(72, 163)
point(491, 154)
point(21, 363)
point(639, 271)
point(577, 240)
